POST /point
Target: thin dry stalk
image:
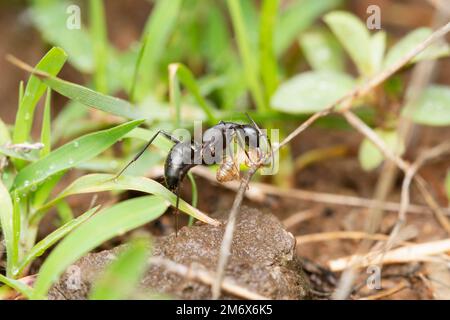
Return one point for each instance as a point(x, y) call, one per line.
point(340, 235)
point(387, 292)
point(296, 218)
point(428, 251)
point(258, 192)
point(229, 231)
point(228, 285)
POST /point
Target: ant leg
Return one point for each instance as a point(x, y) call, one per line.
point(165, 134)
point(177, 210)
point(242, 146)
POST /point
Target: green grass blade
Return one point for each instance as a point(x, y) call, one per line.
point(17, 285)
point(185, 76)
point(73, 112)
point(65, 213)
point(53, 238)
point(249, 59)
point(82, 94)
point(51, 63)
point(51, 18)
point(157, 32)
point(46, 126)
point(105, 182)
point(71, 154)
point(27, 156)
point(7, 223)
point(105, 225)
point(296, 17)
point(268, 63)
point(137, 67)
point(43, 192)
point(122, 276)
point(99, 40)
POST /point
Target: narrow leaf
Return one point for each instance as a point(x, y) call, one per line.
point(40, 247)
point(46, 126)
point(99, 40)
point(71, 154)
point(82, 94)
point(105, 225)
point(106, 182)
point(51, 64)
point(186, 77)
point(248, 56)
point(7, 224)
point(17, 285)
point(157, 32)
point(122, 276)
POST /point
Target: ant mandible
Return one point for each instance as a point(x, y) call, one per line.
point(216, 144)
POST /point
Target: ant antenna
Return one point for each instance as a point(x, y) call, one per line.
point(265, 136)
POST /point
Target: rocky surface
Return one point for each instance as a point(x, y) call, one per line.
point(262, 260)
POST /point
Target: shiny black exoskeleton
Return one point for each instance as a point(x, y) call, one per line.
point(185, 155)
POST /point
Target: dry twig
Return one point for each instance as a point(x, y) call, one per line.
point(205, 277)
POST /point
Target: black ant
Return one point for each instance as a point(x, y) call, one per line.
point(215, 147)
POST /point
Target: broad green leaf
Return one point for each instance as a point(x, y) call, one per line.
point(7, 224)
point(71, 154)
point(431, 108)
point(122, 276)
point(322, 51)
point(51, 64)
point(447, 184)
point(412, 40)
point(378, 46)
point(158, 29)
point(106, 182)
point(40, 247)
point(248, 56)
point(52, 19)
point(354, 37)
point(100, 42)
point(46, 126)
point(296, 17)
point(17, 285)
point(268, 62)
point(105, 225)
point(369, 155)
point(185, 76)
point(311, 91)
